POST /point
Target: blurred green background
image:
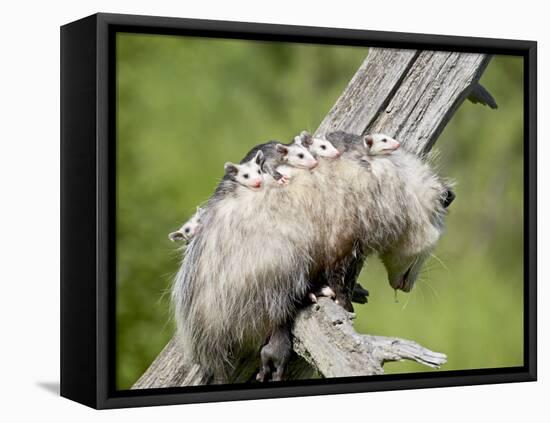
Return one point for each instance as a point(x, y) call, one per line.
point(186, 105)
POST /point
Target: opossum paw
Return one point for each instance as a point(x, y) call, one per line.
point(312, 297)
point(278, 374)
point(283, 180)
point(326, 291)
point(263, 375)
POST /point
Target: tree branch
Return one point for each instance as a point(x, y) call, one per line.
point(324, 336)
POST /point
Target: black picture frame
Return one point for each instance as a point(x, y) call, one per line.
point(88, 212)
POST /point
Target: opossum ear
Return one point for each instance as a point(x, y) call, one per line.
point(259, 158)
point(448, 198)
point(282, 149)
point(306, 138)
point(230, 168)
point(368, 141)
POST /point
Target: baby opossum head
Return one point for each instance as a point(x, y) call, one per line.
point(317, 147)
point(380, 144)
point(404, 262)
point(189, 228)
point(247, 174)
point(296, 155)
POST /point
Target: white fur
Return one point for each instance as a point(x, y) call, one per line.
point(380, 144)
point(318, 147)
point(323, 148)
point(248, 174)
point(298, 156)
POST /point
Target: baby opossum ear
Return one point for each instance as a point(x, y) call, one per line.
point(282, 149)
point(306, 138)
point(448, 198)
point(368, 141)
point(259, 158)
point(230, 168)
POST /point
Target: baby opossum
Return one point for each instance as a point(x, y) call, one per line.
point(247, 173)
point(317, 147)
point(253, 260)
point(380, 144)
point(188, 229)
point(279, 157)
point(377, 145)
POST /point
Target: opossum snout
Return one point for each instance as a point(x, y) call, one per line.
point(257, 183)
point(314, 164)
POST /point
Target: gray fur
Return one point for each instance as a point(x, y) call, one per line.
point(278, 156)
point(272, 158)
point(252, 262)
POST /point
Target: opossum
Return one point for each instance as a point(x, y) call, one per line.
point(318, 147)
point(248, 173)
point(373, 145)
point(252, 263)
point(188, 229)
point(280, 158)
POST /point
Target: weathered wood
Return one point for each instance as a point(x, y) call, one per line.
point(168, 370)
point(368, 91)
point(324, 336)
point(435, 85)
point(406, 94)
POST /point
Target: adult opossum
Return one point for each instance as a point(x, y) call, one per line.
point(253, 260)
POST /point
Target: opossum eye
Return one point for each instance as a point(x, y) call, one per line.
point(301, 156)
point(245, 176)
point(259, 172)
point(384, 140)
point(324, 147)
point(187, 230)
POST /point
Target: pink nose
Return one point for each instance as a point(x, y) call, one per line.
point(315, 163)
point(397, 144)
point(257, 184)
point(338, 154)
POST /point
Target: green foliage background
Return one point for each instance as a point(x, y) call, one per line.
point(187, 105)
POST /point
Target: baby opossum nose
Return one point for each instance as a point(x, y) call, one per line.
point(314, 164)
point(257, 184)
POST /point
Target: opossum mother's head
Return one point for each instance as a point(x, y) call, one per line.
point(405, 259)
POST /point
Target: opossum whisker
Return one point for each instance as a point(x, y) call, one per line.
point(428, 284)
point(440, 261)
point(408, 299)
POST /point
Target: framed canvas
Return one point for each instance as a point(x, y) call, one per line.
point(259, 211)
